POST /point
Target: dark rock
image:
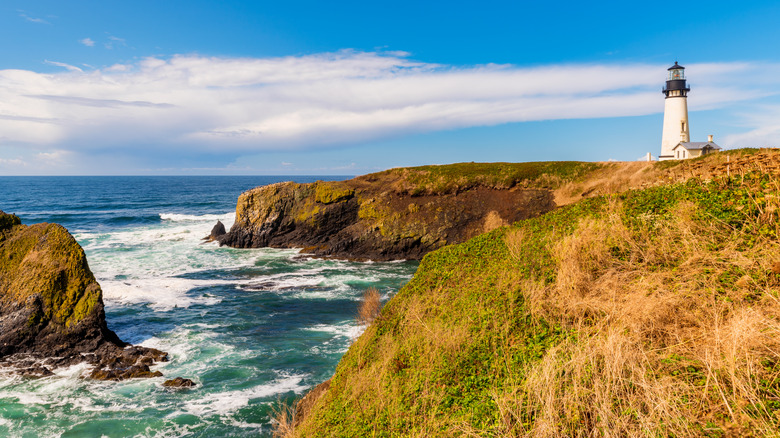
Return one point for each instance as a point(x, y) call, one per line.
point(133, 371)
point(8, 220)
point(179, 382)
point(216, 232)
point(35, 371)
point(51, 306)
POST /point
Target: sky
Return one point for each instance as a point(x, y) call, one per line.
point(150, 87)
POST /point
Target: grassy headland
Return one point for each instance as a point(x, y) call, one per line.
point(400, 213)
point(648, 312)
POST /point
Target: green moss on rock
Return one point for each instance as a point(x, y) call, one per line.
point(8, 220)
point(330, 192)
point(44, 263)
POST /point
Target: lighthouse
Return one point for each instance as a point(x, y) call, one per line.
point(676, 128)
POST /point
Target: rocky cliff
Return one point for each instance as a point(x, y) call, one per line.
point(51, 307)
point(400, 213)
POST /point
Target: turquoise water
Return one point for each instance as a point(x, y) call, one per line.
point(251, 327)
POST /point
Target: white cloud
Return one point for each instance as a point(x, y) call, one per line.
point(250, 104)
point(12, 162)
point(65, 66)
point(32, 19)
point(763, 129)
point(87, 42)
point(115, 42)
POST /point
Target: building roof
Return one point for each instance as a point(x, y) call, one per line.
point(675, 66)
point(694, 145)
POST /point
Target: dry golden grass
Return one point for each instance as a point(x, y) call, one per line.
point(284, 417)
point(370, 306)
point(617, 177)
point(492, 221)
point(660, 349)
point(612, 178)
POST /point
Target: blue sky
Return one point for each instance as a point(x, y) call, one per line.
point(303, 87)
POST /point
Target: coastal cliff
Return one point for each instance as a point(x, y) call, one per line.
point(643, 312)
point(51, 307)
point(400, 213)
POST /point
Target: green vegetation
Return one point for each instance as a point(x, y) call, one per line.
point(652, 312)
point(330, 192)
point(8, 220)
point(452, 178)
point(44, 261)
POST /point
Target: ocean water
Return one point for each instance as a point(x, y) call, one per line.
point(252, 327)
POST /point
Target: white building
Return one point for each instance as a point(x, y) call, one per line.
point(676, 140)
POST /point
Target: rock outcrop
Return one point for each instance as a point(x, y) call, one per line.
point(51, 307)
point(216, 232)
point(179, 382)
point(396, 214)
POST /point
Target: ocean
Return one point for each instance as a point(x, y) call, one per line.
point(252, 327)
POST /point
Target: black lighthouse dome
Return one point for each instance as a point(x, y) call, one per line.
point(676, 85)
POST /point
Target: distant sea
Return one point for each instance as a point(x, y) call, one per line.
point(251, 327)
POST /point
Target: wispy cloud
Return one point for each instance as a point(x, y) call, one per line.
point(114, 41)
point(32, 19)
point(250, 104)
point(87, 42)
point(101, 103)
point(12, 162)
point(65, 66)
point(762, 128)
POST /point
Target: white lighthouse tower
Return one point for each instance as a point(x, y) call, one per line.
point(676, 128)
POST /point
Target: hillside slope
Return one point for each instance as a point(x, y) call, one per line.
point(651, 312)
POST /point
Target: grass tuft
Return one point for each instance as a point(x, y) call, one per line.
point(370, 306)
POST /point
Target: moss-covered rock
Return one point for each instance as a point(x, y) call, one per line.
point(51, 306)
point(400, 213)
point(330, 192)
point(8, 220)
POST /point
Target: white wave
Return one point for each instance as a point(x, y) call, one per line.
point(172, 430)
point(350, 331)
point(244, 425)
point(224, 218)
point(227, 402)
point(161, 294)
point(185, 347)
point(145, 264)
point(289, 281)
point(176, 227)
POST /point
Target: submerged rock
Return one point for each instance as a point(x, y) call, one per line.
point(179, 382)
point(51, 306)
point(35, 371)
